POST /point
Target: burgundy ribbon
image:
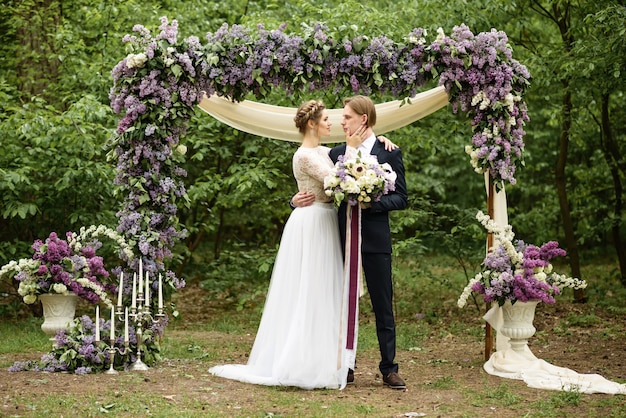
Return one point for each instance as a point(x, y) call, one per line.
point(354, 254)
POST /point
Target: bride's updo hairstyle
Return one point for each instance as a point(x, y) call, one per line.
point(311, 110)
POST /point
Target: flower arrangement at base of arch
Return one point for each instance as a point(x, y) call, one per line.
point(77, 351)
point(68, 266)
point(516, 271)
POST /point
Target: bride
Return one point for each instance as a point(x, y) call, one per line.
point(301, 338)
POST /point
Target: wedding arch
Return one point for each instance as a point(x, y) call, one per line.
point(158, 85)
point(161, 80)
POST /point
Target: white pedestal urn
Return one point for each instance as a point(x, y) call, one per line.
point(518, 323)
point(58, 310)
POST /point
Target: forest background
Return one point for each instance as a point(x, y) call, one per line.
point(56, 125)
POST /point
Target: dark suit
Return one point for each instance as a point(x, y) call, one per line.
point(376, 251)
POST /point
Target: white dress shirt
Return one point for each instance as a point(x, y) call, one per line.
point(367, 145)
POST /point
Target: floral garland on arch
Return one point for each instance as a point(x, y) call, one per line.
point(159, 82)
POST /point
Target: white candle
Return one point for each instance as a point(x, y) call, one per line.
point(97, 323)
point(134, 297)
point(160, 292)
point(140, 286)
point(126, 325)
point(119, 292)
point(140, 273)
point(147, 289)
point(112, 326)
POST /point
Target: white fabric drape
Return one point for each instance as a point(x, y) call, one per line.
point(538, 373)
point(500, 217)
point(276, 122)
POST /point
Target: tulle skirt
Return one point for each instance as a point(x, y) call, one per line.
point(300, 341)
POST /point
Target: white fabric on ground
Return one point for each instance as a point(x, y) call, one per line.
point(540, 374)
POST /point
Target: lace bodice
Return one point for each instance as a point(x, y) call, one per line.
point(310, 166)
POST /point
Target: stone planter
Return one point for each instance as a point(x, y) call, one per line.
point(518, 323)
point(58, 311)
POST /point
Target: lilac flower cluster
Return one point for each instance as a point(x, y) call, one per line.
point(484, 80)
point(478, 71)
point(516, 271)
point(75, 351)
point(56, 268)
point(156, 88)
point(509, 282)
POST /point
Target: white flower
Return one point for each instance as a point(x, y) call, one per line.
point(59, 288)
point(417, 41)
point(181, 149)
point(331, 181)
point(440, 35)
point(481, 97)
point(350, 186)
point(30, 299)
point(136, 60)
point(26, 288)
point(467, 291)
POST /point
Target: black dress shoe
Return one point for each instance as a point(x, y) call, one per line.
point(394, 381)
point(350, 376)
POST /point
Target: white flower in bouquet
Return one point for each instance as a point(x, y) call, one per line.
point(359, 180)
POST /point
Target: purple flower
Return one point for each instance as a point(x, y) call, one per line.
point(507, 276)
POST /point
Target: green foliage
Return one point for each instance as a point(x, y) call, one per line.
point(55, 122)
point(55, 175)
point(240, 276)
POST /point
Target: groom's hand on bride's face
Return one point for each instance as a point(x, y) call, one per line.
point(302, 199)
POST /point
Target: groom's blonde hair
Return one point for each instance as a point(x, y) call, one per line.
point(362, 105)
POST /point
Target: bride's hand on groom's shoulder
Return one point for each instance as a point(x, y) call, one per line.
point(389, 146)
point(302, 199)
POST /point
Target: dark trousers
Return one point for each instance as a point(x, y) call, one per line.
point(377, 269)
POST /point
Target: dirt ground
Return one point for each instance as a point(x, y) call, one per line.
point(442, 374)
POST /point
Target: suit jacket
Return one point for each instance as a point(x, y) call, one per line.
point(375, 231)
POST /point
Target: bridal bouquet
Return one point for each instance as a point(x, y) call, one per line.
point(516, 271)
point(359, 180)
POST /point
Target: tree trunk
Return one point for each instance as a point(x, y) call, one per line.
point(37, 64)
point(561, 186)
point(562, 18)
point(613, 157)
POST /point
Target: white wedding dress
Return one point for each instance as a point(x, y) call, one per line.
point(301, 338)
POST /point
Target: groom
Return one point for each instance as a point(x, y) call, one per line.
point(375, 232)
